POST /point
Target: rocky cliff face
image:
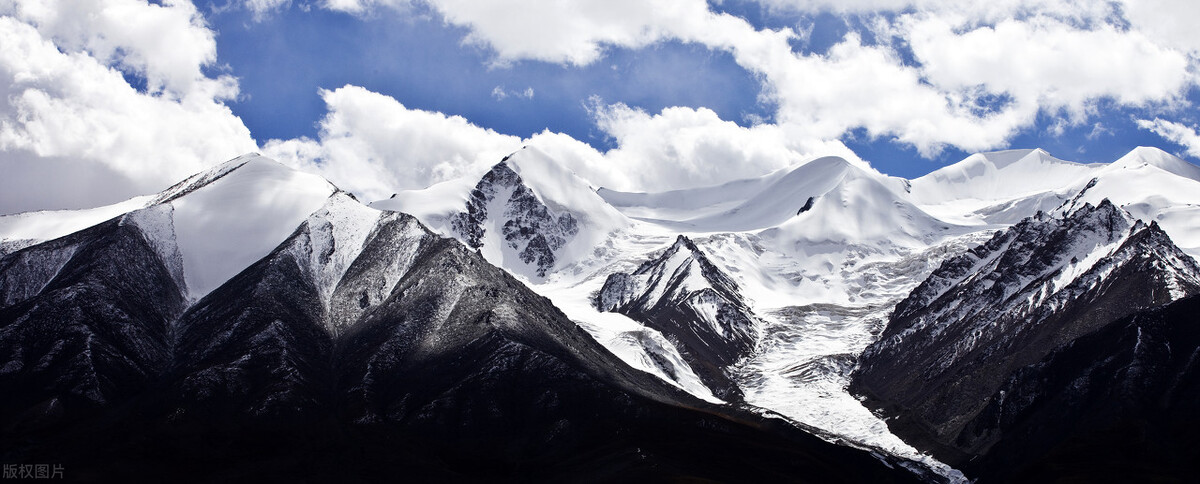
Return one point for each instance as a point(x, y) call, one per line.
point(527, 226)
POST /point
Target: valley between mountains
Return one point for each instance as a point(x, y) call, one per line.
point(1011, 317)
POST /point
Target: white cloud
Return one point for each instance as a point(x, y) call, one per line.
point(684, 147)
point(1057, 57)
point(262, 8)
point(982, 11)
point(1047, 63)
point(1178, 133)
point(372, 145)
point(1171, 22)
point(574, 32)
point(167, 44)
point(499, 94)
point(67, 112)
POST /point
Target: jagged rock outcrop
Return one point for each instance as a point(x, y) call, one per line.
point(528, 227)
point(694, 304)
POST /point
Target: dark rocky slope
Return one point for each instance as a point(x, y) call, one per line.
point(1119, 405)
point(981, 319)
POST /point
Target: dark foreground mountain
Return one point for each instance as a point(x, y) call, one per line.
point(1118, 405)
point(970, 338)
point(362, 348)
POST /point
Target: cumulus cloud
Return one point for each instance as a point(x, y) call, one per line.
point(372, 145)
point(979, 72)
point(1178, 133)
point(1170, 22)
point(67, 111)
point(1047, 63)
point(167, 44)
point(684, 147)
point(574, 32)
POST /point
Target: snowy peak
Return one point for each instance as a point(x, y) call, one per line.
point(529, 215)
point(1000, 175)
point(833, 201)
point(219, 221)
point(563, 191)
point(1039, 250)
point(781, 199)
point(827, 199)
point(1144, 156)
point(528, 231)
point(692, 302)
point(331, 239)
point(681, 270)
point(1152, 186)
point(203, 178)
point(228, 217)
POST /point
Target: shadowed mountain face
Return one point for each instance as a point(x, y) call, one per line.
point(390, 353)
point(87, 332)
point(1120, 404)
point(962, 344)
point(694, 304)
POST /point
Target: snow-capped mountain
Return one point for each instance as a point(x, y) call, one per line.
point(361, 336)
point(221, 220)
point(1007, 304)
point(687, 298)
point(527, 214)
point(822, 252)
point(996, 176)
point(258, 296)
point(1000, 189)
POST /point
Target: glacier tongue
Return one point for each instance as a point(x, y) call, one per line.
point(801, 368)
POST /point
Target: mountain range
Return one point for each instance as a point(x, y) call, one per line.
point(821, 323)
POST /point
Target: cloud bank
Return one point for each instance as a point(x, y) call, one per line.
point(114, 98)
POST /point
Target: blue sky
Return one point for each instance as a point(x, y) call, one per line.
point(416, 57)
point(282, 60)
point(386, 95)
